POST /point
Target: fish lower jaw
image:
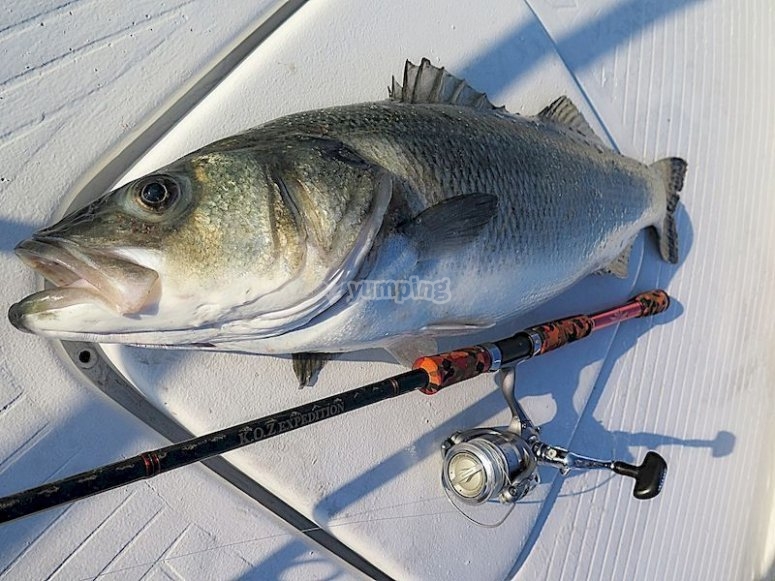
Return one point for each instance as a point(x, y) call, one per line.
point(90, 276)
point(47, 311)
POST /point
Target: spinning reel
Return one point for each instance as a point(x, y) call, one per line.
point(501, 464)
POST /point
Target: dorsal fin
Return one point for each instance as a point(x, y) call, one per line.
point(563, 112)
point(429, 84)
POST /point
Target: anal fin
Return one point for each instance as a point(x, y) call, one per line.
point(406, 350)
point(461, 327)
point(619, 267)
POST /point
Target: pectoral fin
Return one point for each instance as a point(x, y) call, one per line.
point(451, 224)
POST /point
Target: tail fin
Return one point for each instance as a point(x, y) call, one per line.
point(672, 170)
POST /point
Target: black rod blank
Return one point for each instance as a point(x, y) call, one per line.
point(152, 463)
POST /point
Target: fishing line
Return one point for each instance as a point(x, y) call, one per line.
point(333, 524)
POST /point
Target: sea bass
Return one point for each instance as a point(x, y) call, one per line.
point(382, 224)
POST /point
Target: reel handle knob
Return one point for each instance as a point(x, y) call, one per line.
point(649, 476)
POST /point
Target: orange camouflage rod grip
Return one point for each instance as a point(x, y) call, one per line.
point(449, 368)
point(558, 333)
point(446, 369)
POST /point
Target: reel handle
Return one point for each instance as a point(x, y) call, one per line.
point(649, 476)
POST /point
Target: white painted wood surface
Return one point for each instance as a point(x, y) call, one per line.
point(690, 78)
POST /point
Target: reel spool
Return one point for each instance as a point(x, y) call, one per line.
point(500, 465)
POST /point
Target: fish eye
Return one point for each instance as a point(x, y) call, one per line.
point(157, 193)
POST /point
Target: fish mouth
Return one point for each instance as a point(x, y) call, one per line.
point(81, 276)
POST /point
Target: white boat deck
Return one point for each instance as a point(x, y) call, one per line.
point(87, 87)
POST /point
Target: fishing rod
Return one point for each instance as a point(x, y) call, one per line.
point(430, 374)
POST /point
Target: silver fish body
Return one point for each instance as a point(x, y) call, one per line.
point(430, 214)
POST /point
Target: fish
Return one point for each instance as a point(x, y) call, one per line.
point(386, 224)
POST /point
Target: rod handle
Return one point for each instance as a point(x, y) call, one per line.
point(449, 368)
point(445, 369)
point(558, 333)
point(652, 302)
point(649, 476)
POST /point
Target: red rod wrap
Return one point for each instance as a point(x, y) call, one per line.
point(643, 305)
point(612, 316)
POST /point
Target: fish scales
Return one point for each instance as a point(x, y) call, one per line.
point(541, 179)
point(267, 241)
point(442, 151)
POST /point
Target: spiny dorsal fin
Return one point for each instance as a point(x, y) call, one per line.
point(429, 84)
point(563, 112)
